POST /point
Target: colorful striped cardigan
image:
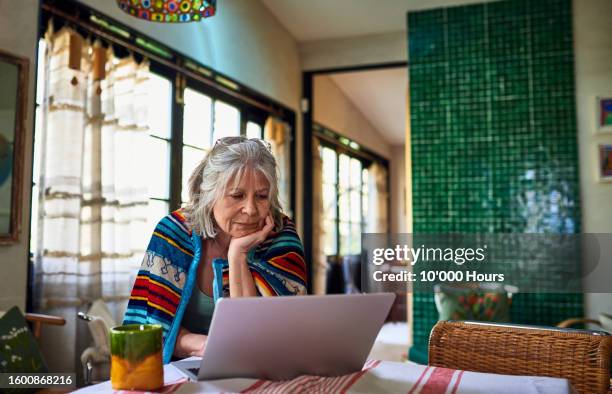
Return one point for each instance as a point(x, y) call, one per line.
point(168, 274)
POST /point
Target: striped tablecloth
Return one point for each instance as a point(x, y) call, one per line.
point(376, 377)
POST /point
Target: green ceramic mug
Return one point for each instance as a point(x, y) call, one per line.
point(136, 357)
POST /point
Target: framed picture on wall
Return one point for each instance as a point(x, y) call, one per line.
point(605, 162)
point(604, 114)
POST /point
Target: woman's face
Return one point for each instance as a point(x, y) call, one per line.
point(243, 210)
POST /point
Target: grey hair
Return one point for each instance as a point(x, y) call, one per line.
point(228, 161)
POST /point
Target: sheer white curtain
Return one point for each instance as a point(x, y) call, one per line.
point(278, 134)
point(319, 264)
point(92, 208)
point(378, 197)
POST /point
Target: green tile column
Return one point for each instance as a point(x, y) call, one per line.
point(494, 132)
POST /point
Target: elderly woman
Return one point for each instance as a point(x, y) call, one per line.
point(230, 240)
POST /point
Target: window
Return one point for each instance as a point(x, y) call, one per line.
point(330, 199)
point(197, 119)
point(40, 94)
point(159, 112)
point(344, 201)
point(160, 132)
point(180, 132)
point(253, 130)
point(200, 131)
point(227, 121)
point(349, 201)
point(354, 193)
point(197, 133)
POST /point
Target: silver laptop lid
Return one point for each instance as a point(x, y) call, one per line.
point(280, 338)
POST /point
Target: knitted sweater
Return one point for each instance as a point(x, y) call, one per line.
point(168, 274)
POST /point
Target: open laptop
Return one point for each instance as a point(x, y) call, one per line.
point(279, 338)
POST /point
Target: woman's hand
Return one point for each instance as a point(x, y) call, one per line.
point(242, 245)
point(240, 277)
point(189, 344)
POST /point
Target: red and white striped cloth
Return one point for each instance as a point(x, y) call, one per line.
point(391, 377)
point(376, 377)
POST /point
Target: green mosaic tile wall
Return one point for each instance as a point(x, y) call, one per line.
point(494, 131)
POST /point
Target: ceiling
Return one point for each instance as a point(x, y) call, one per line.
point(380, 95)
point(309, 20)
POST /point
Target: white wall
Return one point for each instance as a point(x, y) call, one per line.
point(353, 51)
point(334, 110)
point(18, 21)
point(593, 54)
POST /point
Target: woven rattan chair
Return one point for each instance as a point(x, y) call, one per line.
point(581, 356)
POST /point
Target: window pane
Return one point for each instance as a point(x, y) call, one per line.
point(344, 238)
point(330, 174)
point(329, 201)
point(40, 72)
point(330, 237)
point(344, 172)
point(34, 220)
point(365, 179)
point(227, 121)
point(355, 202)
point(365, 176)
point(160, 105)
point(191, 158)
point(253, 130)
point(197, 117)
point(156, 210)
point(38, 135)
point(355, 173)
point(355, 239)
point(159, 174)
point(343, 203)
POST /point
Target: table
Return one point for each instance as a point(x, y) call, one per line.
point(376, 377)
